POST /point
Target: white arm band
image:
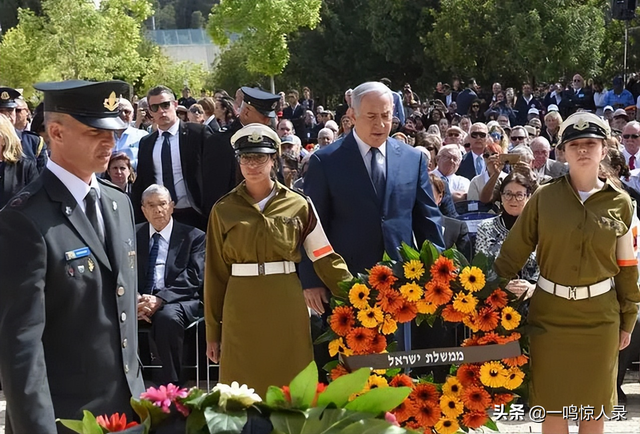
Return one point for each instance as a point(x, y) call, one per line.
point(317, 244)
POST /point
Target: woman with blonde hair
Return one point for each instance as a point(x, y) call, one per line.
point(552, 122)
point(16, 170)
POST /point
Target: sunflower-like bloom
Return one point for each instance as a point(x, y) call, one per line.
point(476, 398)
point(426, 307)
point(359, 296)
point(407, 312)
point(498, 299)
point(381, 278)
point(451, 406)
point(475, 419)
point(515, 377)
point(389, 325)
point(376, 381)
point(359, 340)
point(468, 375)
point(510, 318)
point(437, 292)
point(411, 291)
point(427, 413)
point(449, 314)
point(452, 387)
point(378, 345)
point(465, 303)
point(443, 270)
point(413, 269)
point(447, 426)
point(493, 374)
point(487, 319)
point(390, 301)
point(423, 392)
point(469, 320)
point(370, 317)
point(472, 279)
point(405, 410)
point(334, 346)
point(342, 320)
point(401, 380)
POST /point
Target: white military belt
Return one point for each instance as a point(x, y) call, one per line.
point(280, 267)
point(575, 292)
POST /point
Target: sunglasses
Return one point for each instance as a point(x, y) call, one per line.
point(517, 138)
point(478, 135)
point(630, 136)
point(496, 136)
point(195, 111)
point(163, 105)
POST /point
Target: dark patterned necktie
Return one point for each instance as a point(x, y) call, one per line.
point(91, 211)
point(377, 172)
point(167, 167)
point(151, 264)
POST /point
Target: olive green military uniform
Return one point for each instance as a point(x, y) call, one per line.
point(574, 343)
point(262, 322)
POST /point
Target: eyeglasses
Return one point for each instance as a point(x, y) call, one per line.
point(517, 138)
point(630, 136)
point(519, 196)
point(163, 105)
point(253, 159)
point(478, 135)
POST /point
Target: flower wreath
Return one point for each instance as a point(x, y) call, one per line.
point(427, 286)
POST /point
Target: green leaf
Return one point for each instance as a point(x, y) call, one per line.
point(303, 387)
point(379, 400)
point(457, 257)
point(482, 262)
point(288, 422)
point(372, 426)
point(196, 422)
point(431, 319)
point(73, 425)
point(393, 372)
point(275, 397)
point(327, 336)
point(491, 425)
point(145, 409)
point(225, 423)
point(89, 424)
point(453, 369)
point(408, 253)
point(339, 391)
point(331, 365)
point(428, 254)
point(386, 257)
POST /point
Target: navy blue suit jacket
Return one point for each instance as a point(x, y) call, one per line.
point(467, 167)
point(358, 225)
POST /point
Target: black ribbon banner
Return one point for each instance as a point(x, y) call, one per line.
point(433, 357)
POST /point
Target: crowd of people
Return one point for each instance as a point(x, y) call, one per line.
point(251, 208)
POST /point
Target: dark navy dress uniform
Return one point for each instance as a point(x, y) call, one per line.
point(68, 328)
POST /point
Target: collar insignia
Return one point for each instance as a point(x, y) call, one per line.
point(111, 103)
point(255, 137)
point(581, 125)
point(5, 95)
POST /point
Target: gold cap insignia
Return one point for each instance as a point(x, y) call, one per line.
point(581, 125)
point(255, 137)
point(111, 103)
point(5, 95)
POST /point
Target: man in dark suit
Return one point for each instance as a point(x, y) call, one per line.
point(170, 273)
point(221, 174)
point(526, 102)
point(172, 156)
point(579, 97)
point(68, 334)
point(472, 162)
point(371, 192)
point(543, 166)
point(295, 113)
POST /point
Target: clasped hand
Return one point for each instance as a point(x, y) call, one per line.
point(147, 306)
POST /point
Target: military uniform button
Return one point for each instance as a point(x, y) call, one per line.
point(126, 369)
point(120, 291)
point(124, 343)
point(123, 316)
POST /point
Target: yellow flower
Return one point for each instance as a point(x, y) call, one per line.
point(413, 269)
point(514, 378)
point(452, 387)
point(447, 426)
point(426, 307)
point(472, 278)
point(376, 381)
point(334, 346)
point(493, 374)
point(411, 291)
point(465, 303)
point(470, 321)
point(451, 406)
point(389, 325)
point(510, 318)
point(359, 296)
point(371, 317)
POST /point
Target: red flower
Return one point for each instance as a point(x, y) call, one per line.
point(487, 319)
point(428, 413)
point(468, 375)
point(438, 292)
point(425, 392)
point(378, 343)
point(342, 320)
point(476, 398)
point(287, 393)
point(115, 423)
point(407, 312)
point(497, 299)
point(381, 278)
point(401, 380)
point(471, 342)
point(319, 389)
point(338, 372)
point(443, 270)
point(405, 410)
point(502, 398)
point(449, 314)
point(359, 340)
point(390, 301)
point(475, 419)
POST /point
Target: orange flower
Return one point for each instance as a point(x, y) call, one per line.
point(359, 340)
point(468, 375)
point(512, 337)
point(342, 320)
point(490, 338)
point(413, 424)
point(487, 319)
point(378, 343)
point(475, 419)
point(390, 301)
point(407, 311)
point(424, 392)
point(401, 380)
point(451, 315)
point(428, 413)
point(471, 342)
point(381, 277)
point(502, 398)
point(437, 292)
point(405, 410)
point(516, 361)
point(338, 372)
point(114, 423)
point(497, 299)
point(443, 270)
point(476, 398)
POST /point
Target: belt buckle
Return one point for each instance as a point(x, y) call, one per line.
point(572, 293)
point(260, 269)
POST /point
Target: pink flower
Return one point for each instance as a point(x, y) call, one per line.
point(163, 396)
point(391, 418)
point(183, 409)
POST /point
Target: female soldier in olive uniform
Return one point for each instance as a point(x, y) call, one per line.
point(580, 227)
point(254, 304)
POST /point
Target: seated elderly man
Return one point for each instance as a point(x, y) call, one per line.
point(448, 160)
point(170, 274)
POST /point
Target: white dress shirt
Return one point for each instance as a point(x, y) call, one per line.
point(365, 152)
point(627, 155)
point(178, 178)
point(456, 183)
point(163, 251)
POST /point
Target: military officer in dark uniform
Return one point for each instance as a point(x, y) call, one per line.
point(68, 329)
point(220, 172)
point(33, 145)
